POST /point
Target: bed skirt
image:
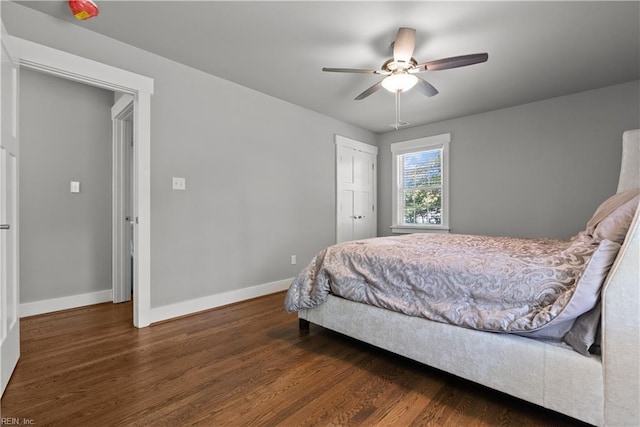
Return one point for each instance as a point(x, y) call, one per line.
point(549, 374)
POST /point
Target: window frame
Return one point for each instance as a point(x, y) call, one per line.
point(436, 142)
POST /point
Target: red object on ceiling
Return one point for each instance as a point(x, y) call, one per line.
point(83, 9)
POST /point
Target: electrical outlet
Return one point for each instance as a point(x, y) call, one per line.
point(178, 183)
point(293, 260)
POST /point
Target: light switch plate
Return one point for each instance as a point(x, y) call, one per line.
point(75, 186)
point(178, 183)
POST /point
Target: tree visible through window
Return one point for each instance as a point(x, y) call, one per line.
point(422, 187)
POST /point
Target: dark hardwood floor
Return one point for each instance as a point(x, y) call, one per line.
point(239, 365)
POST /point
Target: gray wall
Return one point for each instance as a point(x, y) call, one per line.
point(534, 170)
point(260, 172)
point(65, 240)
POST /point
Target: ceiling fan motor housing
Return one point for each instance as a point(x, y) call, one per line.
point(392, 65)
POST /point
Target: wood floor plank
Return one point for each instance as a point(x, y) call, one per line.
point(239, 365)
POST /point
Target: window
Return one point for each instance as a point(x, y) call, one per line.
point(420, 183)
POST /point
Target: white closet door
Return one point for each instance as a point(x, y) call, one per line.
point(356, 190)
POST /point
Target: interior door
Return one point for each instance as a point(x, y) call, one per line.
point(356, 216)
point(9, 279)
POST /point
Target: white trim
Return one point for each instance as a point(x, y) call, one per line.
point(121, 186)
point(142, 210)
point(78, 68)
point(72, 67)
point(122, 103)
point(420, 143)
point(56, 304)
point(408, 229)
point(343, 141)
point(184, 308)
point(427, 143)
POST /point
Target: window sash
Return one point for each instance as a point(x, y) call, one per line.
point(415, 210)
point(421, 196)
point(420, 204)
point(421, 172)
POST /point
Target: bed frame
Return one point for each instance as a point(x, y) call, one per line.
point(600, 390)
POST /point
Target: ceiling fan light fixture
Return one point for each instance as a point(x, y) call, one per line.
point(399, 82)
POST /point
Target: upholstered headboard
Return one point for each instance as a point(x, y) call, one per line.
point(630, 167)
point(621, 308)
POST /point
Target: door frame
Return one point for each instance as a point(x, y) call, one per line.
point(76, 68)
point(344, 142)
point(121, 179)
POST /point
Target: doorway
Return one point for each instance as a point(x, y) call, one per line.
point(65, 194)
point(68, 66)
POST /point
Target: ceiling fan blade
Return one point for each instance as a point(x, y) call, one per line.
point(369, 91)
point(350, 70)
point(426, 88)
point(404, 45)
point(454, 62)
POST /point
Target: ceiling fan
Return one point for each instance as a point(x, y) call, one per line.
point(401, 69)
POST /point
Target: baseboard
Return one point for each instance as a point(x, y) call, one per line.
point(56, 304)
point(183, 308)
point(159, 313)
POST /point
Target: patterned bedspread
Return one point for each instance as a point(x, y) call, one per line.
point(496, 284)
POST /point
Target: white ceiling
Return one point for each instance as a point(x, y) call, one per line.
point(537, 50)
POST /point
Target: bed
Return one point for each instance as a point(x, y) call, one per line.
point(600, 389)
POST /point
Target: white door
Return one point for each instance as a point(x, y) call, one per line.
point(9, 296)
point(356, 190)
